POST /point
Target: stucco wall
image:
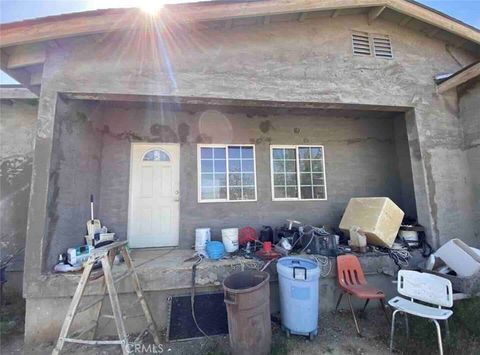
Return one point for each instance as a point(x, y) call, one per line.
point(17, 135)
point(309, 62)
point(74, 175)
point(469, 105)
point(360, 153)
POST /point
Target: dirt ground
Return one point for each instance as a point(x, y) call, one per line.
point(336, 336)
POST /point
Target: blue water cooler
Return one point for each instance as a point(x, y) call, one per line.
point(298, 280)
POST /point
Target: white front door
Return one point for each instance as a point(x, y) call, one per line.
point(153, 217)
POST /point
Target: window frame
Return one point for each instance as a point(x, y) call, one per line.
point(199, 172)
point(156, 149)
point(296, 147)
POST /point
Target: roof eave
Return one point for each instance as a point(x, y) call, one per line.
point(468, 73)
point(62, 26)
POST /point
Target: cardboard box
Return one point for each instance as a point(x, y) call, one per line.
point(378, 217)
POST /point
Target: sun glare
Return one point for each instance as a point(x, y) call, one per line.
point(151, 7)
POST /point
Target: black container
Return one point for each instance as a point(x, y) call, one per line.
point(322, 245)
point(266, 234)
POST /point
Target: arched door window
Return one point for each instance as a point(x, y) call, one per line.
point(156, 155)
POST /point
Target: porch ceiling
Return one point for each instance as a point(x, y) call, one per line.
point(177, 103)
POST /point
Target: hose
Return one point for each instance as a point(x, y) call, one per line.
point(192, 296)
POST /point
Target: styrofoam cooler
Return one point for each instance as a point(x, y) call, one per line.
point(230, 239)
point(202, 236)
point(459, 257)
point(299, 282)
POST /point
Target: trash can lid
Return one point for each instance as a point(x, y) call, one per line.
point(292, 262)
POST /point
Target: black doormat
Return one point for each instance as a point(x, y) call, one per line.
point(210, 312)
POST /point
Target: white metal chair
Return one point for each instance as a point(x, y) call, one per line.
point(427, 288)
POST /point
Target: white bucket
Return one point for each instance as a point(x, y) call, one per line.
point(230, 239)
point(202, 236)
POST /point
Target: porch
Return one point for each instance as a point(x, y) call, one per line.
point(366, 153)
point(164, 273)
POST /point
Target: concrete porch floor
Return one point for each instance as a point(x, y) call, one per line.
point(163, 273)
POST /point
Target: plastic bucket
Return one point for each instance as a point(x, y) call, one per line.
point(215, 250)
point(230, 239)
point(247, 295)
point(202, 236)
point(298, 280)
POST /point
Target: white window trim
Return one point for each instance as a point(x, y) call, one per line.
point(279, 146)
point(199, 172)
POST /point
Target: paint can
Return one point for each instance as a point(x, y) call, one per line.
point(202, 236)
point(230, 239)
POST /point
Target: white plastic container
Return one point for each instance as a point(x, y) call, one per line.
point(202, 236)
point(230, 239)
point(459, 257)
point(298, 280)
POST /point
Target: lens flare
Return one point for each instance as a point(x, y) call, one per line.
point(150, 7)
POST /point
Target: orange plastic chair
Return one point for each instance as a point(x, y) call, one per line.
point(353, 283)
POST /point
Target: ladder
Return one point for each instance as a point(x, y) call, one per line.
point(106, 256)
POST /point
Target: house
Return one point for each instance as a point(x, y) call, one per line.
point(244, 113)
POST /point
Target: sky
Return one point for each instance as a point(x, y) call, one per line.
point(467, 11)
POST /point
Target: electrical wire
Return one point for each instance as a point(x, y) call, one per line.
point(325, 263)
point(192, 296)
point(399, 256)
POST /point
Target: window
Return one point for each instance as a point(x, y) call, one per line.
point(226, 173)
point(156, 155)
point(298, 173)
point(366, 44)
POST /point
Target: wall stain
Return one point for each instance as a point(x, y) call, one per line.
point(431, 195)
point(296, 130)
point(369, 139)
point(15, 171)
point(163, 133)
point(260, 140)
point(265, 126)
point(128, 135)
point(203, 138)
point(183, 132)
point(79, 117)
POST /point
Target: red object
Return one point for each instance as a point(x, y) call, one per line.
point(353, 283)
point(267, 253)
point(267, 246)
point(247, 234)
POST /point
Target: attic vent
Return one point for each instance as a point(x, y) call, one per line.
point(368, 44)
point(382, 46)
point(361, 43)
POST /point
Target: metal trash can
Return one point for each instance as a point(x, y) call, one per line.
point(247, 296)
point(298, 280)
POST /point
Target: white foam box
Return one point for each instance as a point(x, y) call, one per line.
point(378, 217)
point(459, 257)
